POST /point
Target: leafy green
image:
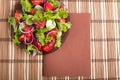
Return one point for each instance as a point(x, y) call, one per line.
point(55, 3)
point(24, 17)
point(20, 15)
point(16, 37)
point(26, 5)
point(40, 35)
point(48, 39)
point(48, 15)
point(58, 41)
point(12, 22)
point(51, 1)
point(56, 16)
point(64, 26)
point(62, 13)
point(38, 16)
point(29, 19)
point(29, 48)
point(39, 52)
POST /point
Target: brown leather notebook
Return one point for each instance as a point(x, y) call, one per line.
point(73, 58)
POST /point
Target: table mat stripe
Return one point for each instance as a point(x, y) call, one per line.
point(41, 61)
point(87, 0)
point(92, 21)
point(95, 39)
point(105, 57)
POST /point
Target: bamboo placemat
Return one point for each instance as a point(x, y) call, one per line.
point(105, 42)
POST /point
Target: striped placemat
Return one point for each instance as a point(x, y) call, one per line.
point(105, 41)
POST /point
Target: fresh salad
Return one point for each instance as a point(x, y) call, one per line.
point(39, 24)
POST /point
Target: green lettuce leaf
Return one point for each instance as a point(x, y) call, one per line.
point(62, 13)
point(29, 20)
point(48, 15)
point(30, 48)
point(55, 3)
point(40, 35)
point(24, 17)
point(64, 26)
point(16, 37)
point(48, 39)
point(12, 22)
point(58, 41)
point(26, 5)
point(38, 16)
point(56, 16)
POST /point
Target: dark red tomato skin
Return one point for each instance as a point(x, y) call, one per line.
point(28, 35)
point(17, 16)
point(27, 28)
point(46, 48)
point(40, 24)
point(49, 46)
point(37, 2)
point(32, 11)
point(53, 33)
point(48, 6)
point(39, 46)
point(36, 23)
point(22, 38)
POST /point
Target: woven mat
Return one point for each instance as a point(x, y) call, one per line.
point(105, 41)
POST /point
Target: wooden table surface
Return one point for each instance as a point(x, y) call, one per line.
point(105, 42)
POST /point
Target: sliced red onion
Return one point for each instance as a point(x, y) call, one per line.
point(34, 53)
point(45, 1)
point(23, 11)
point(35, 47)
point(26, 32)
point(39, 7)
point(25, 41)
point(56, 10)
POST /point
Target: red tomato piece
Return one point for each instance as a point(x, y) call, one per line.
point(49, 46)
point(48, 6)
point(33, 11)
point(63, 20)
point(37, 2)
point(22, 38)
point(40, 24)
point(39, 46)
point(27, 28)
point(17, 16)
point(53, 33)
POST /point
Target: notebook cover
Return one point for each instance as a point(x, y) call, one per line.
point(73, 58)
